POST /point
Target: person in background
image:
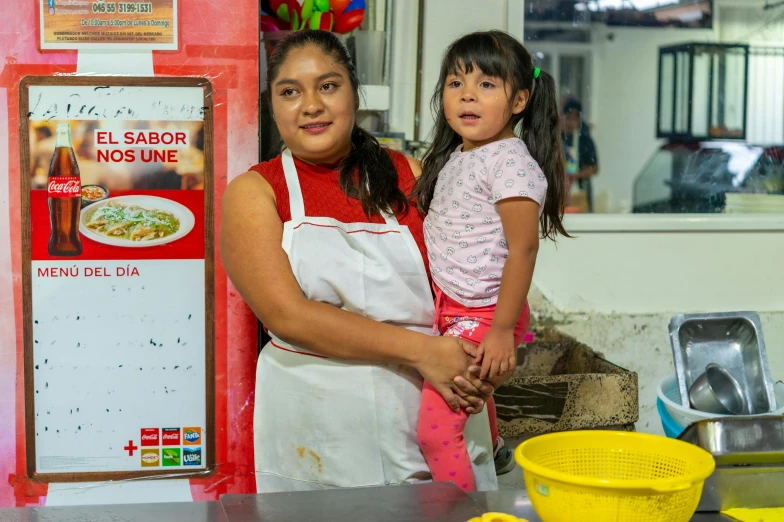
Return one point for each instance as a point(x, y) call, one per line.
point(582, 161)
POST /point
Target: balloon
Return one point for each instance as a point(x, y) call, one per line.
point(338, 6)
point(283, 12)
point(349, 21)
point(274, 6)
point(355, 4)
point(306, 9)
point(270, 23)
point(322, 5)
point(290, 11)
point(321, 21)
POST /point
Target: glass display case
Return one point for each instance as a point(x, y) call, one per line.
point(696, 177)
point(702, 92)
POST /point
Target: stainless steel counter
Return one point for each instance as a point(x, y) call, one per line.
point(518, 504)
point(419, 503)
point(442, 502)
point(163, 512)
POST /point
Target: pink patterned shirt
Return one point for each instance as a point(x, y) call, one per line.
point(465, 242)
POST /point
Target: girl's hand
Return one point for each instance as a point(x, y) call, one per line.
point(444, 362)
point(497, 353)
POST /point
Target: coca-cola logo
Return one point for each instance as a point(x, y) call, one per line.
point(150, 436)
point(171, 436)
point(64, 187)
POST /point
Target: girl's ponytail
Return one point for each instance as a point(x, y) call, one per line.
point(541, 133)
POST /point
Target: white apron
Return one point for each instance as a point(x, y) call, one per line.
point(323, 423)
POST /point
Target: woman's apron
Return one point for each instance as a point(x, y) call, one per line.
point(322, 423)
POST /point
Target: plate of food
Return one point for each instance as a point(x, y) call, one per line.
point(136, 221)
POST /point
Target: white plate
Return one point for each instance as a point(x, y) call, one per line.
point(186, 217)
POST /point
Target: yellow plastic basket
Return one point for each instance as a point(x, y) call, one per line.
point(611, 476)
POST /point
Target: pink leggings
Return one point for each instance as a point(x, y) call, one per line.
point(440, 430)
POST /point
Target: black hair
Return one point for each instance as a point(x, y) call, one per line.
point(572, 105)
point(367, 173)
point(498, 54)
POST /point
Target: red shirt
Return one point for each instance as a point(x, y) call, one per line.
point(323, 197)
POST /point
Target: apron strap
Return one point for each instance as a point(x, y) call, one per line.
point(292, 182)
point(390, 218)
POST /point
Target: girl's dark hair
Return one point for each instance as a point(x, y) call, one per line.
point(498, 54)
point(367, 173)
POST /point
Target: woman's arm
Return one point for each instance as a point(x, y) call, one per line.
point(250, 245)
point(520, 222)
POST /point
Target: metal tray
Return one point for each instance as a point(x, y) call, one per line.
point(753, 487)
point(749, 455)
point(733, 340)
point(739, 441)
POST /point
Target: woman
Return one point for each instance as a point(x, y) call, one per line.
point(345, 297)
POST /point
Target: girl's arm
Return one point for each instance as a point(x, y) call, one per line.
point(250, 245)
point(520, 223)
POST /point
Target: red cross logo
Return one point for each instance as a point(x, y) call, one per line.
point(130, 448)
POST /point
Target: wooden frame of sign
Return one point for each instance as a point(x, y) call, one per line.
point(70, 475)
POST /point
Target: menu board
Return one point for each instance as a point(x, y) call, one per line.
point(106, 24)
point(118, 276)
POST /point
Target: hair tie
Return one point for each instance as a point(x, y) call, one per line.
point(537, 71)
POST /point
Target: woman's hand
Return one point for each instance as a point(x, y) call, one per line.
point(444, 358)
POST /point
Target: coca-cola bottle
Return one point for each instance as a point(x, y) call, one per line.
point(65, 197)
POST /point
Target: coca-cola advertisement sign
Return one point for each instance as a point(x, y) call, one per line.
point(119, 275)
point(64, 187)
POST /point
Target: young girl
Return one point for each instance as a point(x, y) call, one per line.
point(487, 193)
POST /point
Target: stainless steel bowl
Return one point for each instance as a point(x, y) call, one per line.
point(716, 391)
